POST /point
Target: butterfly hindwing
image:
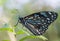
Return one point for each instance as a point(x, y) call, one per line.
point(38, 23)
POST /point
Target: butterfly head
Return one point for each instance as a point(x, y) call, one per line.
point(20, 19)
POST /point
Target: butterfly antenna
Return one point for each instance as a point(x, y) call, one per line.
point(17, 23)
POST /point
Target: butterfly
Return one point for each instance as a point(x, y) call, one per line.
point(38, 22)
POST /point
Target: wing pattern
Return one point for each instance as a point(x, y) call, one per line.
point(38, 22)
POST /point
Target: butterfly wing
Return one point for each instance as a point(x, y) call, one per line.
point(38, 23)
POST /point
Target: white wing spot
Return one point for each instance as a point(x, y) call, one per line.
point(44, 23)
point(48, 19)
point(43, 27)
point(50, 13)
point(52, 16)
point(42, 20)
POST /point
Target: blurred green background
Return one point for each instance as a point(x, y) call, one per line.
point(10, 10)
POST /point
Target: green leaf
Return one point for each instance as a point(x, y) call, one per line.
point(42, 37)
point(5, 40)
point(6, 29)
point(20, 32)
point(27, 37)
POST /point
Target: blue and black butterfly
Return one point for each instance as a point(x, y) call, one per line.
point(38, 22)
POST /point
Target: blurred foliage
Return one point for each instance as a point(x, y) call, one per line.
point(5, 40)
point(33, 37)
point(2, 2)
point(6, 27)
point(14, 11)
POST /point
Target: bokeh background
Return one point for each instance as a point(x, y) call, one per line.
point(10, 10)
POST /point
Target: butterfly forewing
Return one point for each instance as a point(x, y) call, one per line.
point(38, 22)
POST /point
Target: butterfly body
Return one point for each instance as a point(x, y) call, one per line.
point(38, 22)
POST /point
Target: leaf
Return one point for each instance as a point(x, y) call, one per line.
point(42, 37)
point(20, 32)
point(5, 40)
point(28, 37)
point(6, 29)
